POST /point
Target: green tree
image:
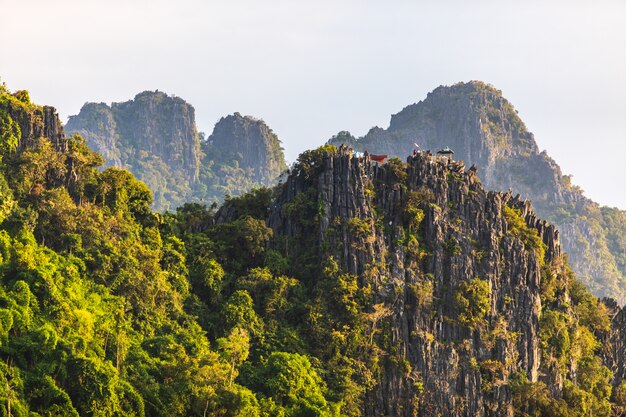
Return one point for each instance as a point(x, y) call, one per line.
point(235, 349)
point(291, 382)
point(473, 302)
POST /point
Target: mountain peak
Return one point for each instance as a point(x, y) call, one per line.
point(453, 114)
point(155, 96)
point(252, 143)
point(484, 129)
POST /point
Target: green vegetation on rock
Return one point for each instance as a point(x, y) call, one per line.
point(473, 301)
point(484, 129)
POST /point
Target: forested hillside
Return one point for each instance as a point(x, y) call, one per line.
point(352, 289)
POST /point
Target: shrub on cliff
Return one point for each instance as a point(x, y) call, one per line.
point(473, 302)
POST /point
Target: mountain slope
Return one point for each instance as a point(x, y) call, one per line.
point(483, 128)
point(155, 137)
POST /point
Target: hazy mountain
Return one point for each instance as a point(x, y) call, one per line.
point(155, 137)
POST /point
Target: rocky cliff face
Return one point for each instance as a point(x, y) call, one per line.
point(483, 128)
point(155, 137)
point(474, 285)
point(418, 275)
point(615, 342)
point(163, 126)
point(153, 122)
point(43, 123)
point(30, 122)
point(251, 143)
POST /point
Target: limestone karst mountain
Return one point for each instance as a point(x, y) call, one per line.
point(483, 128)
point(241, 153)
point(155, 137)
point(466, 293)
point(351, 288)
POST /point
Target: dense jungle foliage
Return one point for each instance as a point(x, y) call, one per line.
point(110, 309)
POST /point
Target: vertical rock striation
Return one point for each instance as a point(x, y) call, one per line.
point(36, 122)
point(615, 343)
point(425, 237)
point(418, 270)
point(163, 126)
point(153, 122)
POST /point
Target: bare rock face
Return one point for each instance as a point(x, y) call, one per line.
point(36, 122)
point(162, 126)
point(483, 129)
point(615, 342)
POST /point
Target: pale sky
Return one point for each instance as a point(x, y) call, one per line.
point(313, 68)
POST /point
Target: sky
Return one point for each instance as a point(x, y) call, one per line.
point(313, 68)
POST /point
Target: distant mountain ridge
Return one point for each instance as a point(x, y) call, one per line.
point(155, 137)
point(483, 128)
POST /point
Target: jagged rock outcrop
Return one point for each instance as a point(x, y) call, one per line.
point(460, 220)
point(33, 122)
point(35, 152)
point(419, 236)
point(615, 343)
point(483, 128)
point(43, 122)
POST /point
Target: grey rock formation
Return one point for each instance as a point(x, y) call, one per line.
point(615, 343)
point(442, 354)
point(416, 234)
point(483, 128)
point(40, 122)
point(153, 122)
point(154, 136)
